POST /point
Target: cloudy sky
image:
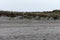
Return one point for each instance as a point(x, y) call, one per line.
point(29, 5)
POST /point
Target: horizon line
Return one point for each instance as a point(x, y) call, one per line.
point(29, 11)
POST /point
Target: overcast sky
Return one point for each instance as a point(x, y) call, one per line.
point(29, 5)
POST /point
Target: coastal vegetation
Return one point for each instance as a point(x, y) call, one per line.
point(55, 14)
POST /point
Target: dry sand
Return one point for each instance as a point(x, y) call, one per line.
point(29, 29)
